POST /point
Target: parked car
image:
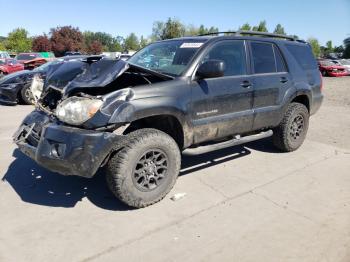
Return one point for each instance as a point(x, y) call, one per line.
point(345, 63)
point(135, 117)
point(4, 55)
point(8, 66)
point(31, 60)
point(49, 56)
point(71, 53)
point(16, 88)
point(330, 68)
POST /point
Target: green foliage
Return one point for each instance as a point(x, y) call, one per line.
point(106, 40)
point(315, 46)
point(279, 30)
point(117, 44)
point(18, 41)
point(245, 27)
point(143, 42)
point(131, 43)
point(2, 46)
point(172, 28)
point(329, 46)
point(261, 27)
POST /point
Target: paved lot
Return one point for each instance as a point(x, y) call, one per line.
point(247, 203)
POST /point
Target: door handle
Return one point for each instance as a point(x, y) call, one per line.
point(246, 84)
point(283, 79)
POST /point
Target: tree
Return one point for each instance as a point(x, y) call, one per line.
point(118, 43)
point(245, 27)
point(18, 41)
point(329, 46)
point(66, 38)
point(261, 27)
point(131, 43)
point(347, 48)
point(41, 43)
point(2, 46)
point(106, 40)
point(172, 28)
point(94, 48)
point(315, 46)
point(279, 30)
point(143, 42)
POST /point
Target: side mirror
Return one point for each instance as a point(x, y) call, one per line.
point(211, 69)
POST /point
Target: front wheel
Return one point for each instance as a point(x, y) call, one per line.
point(27, 96)
point(291, 132)
point(145, 170)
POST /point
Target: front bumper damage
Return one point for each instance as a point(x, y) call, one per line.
point(64, 149)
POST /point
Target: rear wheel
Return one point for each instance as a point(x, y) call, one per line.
point(291, 132)
point(26, 96)
point(145, 170)
point(324, 73)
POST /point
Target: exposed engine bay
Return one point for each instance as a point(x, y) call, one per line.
point(90, 78)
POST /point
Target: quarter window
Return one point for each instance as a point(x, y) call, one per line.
point(232, 53)
point(281, 67)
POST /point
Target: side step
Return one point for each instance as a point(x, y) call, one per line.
point(233, 142)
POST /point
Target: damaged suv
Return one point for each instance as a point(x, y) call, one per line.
point(189, 95)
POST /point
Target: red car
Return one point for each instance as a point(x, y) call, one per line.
point(329, 68)
point(8, 66)
point(31, 60)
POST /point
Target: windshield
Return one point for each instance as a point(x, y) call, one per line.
point(27, 56)
point(167, 57)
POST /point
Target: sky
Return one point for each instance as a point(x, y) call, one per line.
point(322, 19)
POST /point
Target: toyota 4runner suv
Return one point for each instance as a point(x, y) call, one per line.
point(190, 95)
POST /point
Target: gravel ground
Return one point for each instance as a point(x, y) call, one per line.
point(331, 125)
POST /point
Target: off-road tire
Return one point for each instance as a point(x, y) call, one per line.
point(121, 166)
point(26, 97)
point(282, 134)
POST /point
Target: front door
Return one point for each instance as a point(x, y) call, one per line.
point(222, 106)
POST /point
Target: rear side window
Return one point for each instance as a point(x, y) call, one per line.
point(303, 55)
point(263, 58)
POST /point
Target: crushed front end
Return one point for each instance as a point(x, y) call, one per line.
point(63, 149)
point(70, 131)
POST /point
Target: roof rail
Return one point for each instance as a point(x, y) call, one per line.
point(253, 33)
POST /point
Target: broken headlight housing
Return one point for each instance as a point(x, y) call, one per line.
point(77, 110)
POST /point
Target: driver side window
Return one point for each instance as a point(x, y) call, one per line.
point(232, 53)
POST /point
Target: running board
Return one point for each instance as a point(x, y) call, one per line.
point(233, 142)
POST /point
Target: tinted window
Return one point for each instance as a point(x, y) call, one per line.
point(233, 54)
point(281, 67)
point(303, 55)
point(263, 58)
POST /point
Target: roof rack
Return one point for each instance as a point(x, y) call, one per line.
point(253, 33)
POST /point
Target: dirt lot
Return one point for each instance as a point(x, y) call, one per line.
point(247, 203)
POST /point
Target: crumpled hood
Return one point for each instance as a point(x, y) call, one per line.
point(84, 74)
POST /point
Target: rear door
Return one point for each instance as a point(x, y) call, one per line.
point(271, 80)
point(223, 106)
